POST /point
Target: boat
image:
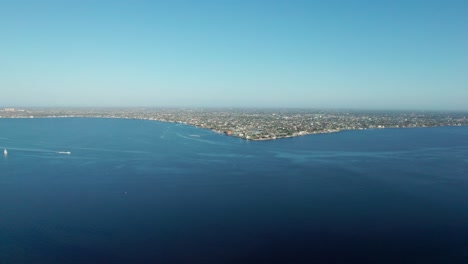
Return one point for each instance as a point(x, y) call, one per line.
point(64, 152)
point(5, 152)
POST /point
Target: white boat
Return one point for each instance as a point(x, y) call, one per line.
point(5, 152)
point(64, 152)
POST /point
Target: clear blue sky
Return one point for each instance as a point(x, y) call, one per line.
point(339, 54)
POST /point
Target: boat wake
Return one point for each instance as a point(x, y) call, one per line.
point(5, 152)
point(190, 137)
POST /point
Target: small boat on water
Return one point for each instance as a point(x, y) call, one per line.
point(64, 152)
point(5, 152)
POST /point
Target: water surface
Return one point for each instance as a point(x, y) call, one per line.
point(135, 191)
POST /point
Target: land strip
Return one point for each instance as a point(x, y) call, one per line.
point(260, 124)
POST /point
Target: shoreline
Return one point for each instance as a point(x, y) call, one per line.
point(302, 133)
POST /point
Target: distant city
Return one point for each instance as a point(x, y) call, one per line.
point(259, 124)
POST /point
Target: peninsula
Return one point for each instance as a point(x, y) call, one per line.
point(259, 124)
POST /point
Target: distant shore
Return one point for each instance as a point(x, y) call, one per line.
point(260, 124)
point(222, 132)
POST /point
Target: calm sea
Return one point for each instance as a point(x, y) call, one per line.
point(136, 191)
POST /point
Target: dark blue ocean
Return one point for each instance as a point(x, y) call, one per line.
point(135, 191)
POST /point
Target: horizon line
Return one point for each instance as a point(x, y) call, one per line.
point(242, 107)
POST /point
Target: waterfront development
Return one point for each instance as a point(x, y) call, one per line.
point(260, 124)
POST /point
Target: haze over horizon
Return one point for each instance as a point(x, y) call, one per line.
point(305, 54)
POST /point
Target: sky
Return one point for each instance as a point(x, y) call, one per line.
point(240, 53)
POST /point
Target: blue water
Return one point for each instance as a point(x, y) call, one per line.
point(136, 191)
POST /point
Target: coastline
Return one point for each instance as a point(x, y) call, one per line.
point(299, 134)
